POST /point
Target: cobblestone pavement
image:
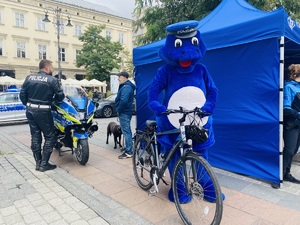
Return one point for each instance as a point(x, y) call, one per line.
point(54, 197)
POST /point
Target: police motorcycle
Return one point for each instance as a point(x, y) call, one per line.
point(73, 120)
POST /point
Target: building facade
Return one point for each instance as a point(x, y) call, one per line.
point(25, 38)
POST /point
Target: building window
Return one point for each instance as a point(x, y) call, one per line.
point(40, 24)
point(21, 50)
point(108, 33)
point(20, 19)
point(62, 54)
point(121, 38)
point(77, 30)
point(77, 53)
point(1, 47)
point(42, 52)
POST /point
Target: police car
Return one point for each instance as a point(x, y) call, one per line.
point(11, 107)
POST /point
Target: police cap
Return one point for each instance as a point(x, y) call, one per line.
point(184, 29)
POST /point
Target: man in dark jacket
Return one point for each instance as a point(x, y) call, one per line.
point(124, 109)
point(95, 96)
point(38, 92)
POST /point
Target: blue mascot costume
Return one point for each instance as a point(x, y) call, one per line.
point(183, 81)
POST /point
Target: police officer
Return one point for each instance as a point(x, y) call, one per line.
point(38, 92)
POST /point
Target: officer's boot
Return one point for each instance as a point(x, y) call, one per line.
point(45, 165)
point(38, 158)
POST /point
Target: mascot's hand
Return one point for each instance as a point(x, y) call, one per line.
point(204, 114)
point(157, 108)
point(208, 107)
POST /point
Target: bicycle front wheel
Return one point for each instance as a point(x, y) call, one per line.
point(197, 194)
point(143, 160)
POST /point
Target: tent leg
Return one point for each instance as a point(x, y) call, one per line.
point(281, 79)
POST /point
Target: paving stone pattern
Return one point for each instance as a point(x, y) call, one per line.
point(54, 197)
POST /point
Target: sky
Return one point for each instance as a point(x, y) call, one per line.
point(124, 8)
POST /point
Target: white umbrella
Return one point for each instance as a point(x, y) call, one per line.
point(70, 81)
point(22, 81)
point(97, 83)
point(6, 80)
point(85, 83)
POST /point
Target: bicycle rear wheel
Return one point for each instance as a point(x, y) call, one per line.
point(197, 194)
point(143, 160)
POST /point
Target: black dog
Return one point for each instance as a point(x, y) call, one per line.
point(113, 128)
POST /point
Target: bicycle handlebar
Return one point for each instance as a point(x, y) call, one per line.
point(185, 112)
point(181, 110)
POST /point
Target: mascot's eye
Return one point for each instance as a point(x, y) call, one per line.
point(178, 43)
point(195, 41)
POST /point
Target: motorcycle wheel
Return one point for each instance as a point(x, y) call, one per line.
point(82, 151)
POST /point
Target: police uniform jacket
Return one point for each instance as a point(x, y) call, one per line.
point(41, 89)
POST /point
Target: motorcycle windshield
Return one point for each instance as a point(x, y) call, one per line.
point(77, 95)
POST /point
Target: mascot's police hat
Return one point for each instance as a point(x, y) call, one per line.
point(184, 29)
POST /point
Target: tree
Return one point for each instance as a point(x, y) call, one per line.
point(128, 64)
point(98, 54)
point(156, 15)
point(291, 6)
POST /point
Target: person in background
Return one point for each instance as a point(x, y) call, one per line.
point(124, 109)
point(38, 92)
point(95, 96)
point(291, 125)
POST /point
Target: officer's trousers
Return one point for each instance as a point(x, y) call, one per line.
point(41, 122)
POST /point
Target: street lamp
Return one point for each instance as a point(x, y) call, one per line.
point(58, 13)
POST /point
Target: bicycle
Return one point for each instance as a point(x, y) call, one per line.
point(192, 174)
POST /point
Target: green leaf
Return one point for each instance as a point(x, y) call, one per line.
point(99, 55)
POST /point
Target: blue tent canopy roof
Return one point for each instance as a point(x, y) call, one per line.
point(232, 22)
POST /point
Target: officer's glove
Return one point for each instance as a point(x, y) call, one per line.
point(54, 105)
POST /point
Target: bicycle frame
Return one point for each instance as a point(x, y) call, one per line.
point(192, 179)
point(178, 144)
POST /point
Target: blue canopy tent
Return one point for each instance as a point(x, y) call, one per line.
point(246, 52)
